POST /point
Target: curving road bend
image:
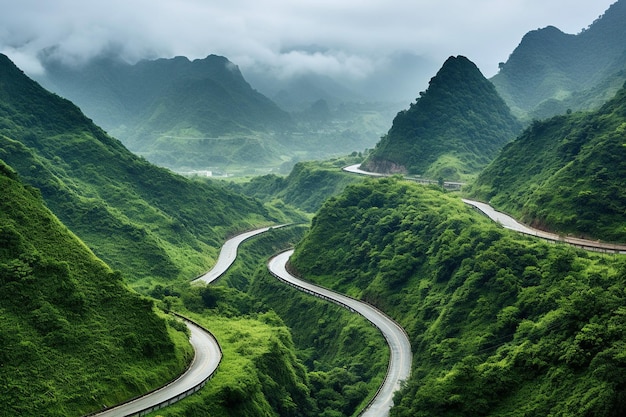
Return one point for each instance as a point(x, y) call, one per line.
point(400, 360)
point(356, 169)
point(228, 254)
point(207, 357)
point(510, 223)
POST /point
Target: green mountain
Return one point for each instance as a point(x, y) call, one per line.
point(175, 112)
point(550, 71)
point(500, 324)
point(140, 219)
point(565, 174)
point(452, 131)
point(73, 337)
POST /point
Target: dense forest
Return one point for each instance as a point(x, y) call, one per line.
point(453, 130)
point(565, 174)
point(500, 324)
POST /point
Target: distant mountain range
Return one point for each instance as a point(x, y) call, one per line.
point(202, 114)
point(453, 129)
point(175, 110)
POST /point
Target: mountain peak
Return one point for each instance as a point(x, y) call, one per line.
point(453, 129)
point(455, 72)
point(551, 71)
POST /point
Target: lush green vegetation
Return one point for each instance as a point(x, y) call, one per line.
point(550, 71)
point(565, 174)
point(73, 337)
point(332, 367)
point(145, 221)
point(500, 324)
point(452, 131)
point(307, 186)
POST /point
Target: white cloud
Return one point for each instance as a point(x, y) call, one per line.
point(353, 36)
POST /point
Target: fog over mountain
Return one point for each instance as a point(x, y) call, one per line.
point(360, 44)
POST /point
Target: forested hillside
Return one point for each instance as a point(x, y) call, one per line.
point(74, 338)
point(550, 71)
point(565, 174)
point(143, 220)
point(453, 130)
point(500, 324)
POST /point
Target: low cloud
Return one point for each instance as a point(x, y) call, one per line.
point(354, 38)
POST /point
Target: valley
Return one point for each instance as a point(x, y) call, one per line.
point(459, 254)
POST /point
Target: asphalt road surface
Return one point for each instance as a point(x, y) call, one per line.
point(228, 254)
point(400, 360)
point(510, 223)
point(205, 362)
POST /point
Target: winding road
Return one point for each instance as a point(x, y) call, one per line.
point(509, 222)
point(208, 353)
point(400, 359)
point(228, 254)
point(207, 357)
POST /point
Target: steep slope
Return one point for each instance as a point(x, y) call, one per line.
point(73, 336)
point(500, 324)
point(174, 111)
point(551, 71)
point(143, 220)
point(565, 174)
point(453, 130)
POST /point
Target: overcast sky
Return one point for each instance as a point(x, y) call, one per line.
point(335, 37)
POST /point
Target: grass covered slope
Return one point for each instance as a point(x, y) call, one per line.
point(565, 174)
point(143, 220)
point(73, 337)
point(452, 131)
point(500, 324)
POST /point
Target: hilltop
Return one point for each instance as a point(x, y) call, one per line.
point(453, 130)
